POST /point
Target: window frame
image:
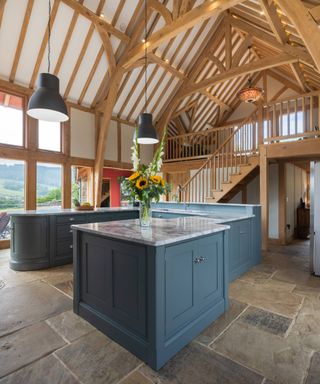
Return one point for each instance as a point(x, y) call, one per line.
point(49, 150)
point(24, 120)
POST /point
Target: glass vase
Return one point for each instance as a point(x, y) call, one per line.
point(145, 214)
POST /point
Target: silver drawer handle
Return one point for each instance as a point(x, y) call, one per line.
point(202, 259)
point(71, 219)
point(197, 260)
point(71, 246)
point(70, 231)
point(242, 233)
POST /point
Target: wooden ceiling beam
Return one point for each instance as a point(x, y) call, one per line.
point(153, 58)
point(268, 39)
point(305, 25)
point(2, 6)
point(22, 37)
point(162, 9)
point(245, 69)
point(66, 41)
point(96, 19)
point(274, 20)
point(43, 46)
point(315, 13)
point(204, 11)
point(82, 52)
point(215, 99)
point(272, 16)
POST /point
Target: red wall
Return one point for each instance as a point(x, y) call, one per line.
point(113, 174)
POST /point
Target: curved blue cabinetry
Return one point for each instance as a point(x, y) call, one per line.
point(42, 240)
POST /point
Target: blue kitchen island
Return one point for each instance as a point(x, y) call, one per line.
point(151, 290)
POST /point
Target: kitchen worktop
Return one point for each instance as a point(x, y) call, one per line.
point(161, 231)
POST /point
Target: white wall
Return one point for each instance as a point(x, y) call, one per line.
point(273, 191)
point(82, 134)
point(111, 152)
point(296, 187)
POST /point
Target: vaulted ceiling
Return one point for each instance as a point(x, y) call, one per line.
point(199, 56)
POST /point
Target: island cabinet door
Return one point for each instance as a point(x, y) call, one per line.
point(239, 248)
point(180, 287)
point(113, 280)
point(210, 271)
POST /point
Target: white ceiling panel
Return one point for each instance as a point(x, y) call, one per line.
point(86, 66)
point(96, 81)
point(73, 51)
point(9, 34)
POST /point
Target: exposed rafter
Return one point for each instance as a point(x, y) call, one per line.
point(305, 25)
point(97, 20)
point(183, 23)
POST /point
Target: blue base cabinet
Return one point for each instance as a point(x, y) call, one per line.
point(151, 300)
point(41, 241)
point(240, 248)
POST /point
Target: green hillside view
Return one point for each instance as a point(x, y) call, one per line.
point(12, 186)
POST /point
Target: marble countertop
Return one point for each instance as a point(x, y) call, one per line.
point(161, 232)
point(60, 211)
point(218, 217)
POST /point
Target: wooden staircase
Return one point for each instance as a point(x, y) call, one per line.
point(236, 182)
point(233, 164)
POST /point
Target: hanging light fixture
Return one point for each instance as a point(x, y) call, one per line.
point(250, 94)
point(46, 103)
point(146, 131)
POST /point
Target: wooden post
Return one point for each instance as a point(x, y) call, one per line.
point(264, 198)
point(260, 123)
point(30, 184)
point(282, 203)
point(66, 185)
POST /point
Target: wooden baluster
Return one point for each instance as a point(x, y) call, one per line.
point(295, 116)
point(311, 114)
point(304, 120)
point(274, 121)
point(288, 117)
point(281, 121)
point(318, 123)
point(268, 123)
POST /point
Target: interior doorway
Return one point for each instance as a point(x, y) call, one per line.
point(105, 193)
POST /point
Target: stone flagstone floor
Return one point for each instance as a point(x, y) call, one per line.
point(270, 334)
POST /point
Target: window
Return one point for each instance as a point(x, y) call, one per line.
point(82, 184)
point(11, 192)
point(49, 185)
point(49, 136)
point(11, 119)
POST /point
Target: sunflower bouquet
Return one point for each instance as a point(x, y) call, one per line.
point(144, 184)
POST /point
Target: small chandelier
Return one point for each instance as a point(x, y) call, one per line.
point(250, 94)
point(46, 103)
point(146, 131)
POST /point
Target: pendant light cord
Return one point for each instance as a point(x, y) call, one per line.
point(49, 36)
point(145, 58)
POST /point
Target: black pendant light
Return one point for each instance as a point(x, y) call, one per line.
point(46, 103)
point(146, 131)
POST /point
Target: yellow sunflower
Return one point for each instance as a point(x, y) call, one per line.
point(134, 176)
point(142, 183)
point(156, 179)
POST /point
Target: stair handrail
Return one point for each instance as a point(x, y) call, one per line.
point(245, 121)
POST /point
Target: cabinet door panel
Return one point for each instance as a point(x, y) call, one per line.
point(179, 285)
point(245, 241)
point(210, 270)
point(114, 280)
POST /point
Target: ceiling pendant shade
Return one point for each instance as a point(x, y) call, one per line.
point(146, 131)
point(250, 94)
point(46, 103)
